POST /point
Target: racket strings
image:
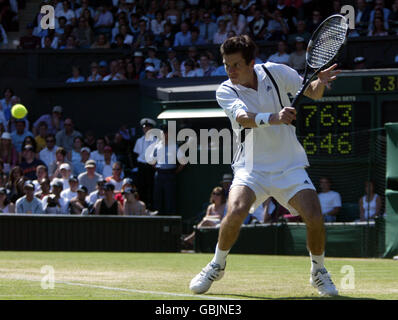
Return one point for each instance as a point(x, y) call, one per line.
point(330, 38)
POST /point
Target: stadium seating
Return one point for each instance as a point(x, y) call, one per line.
point(349, 212)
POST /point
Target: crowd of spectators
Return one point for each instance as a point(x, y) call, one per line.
point(48, 166)
point(173, 38)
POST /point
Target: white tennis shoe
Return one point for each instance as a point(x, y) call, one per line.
point(321, 280)
point(203, 280)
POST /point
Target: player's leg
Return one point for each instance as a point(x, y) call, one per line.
point(306, 203)
point(240, 199)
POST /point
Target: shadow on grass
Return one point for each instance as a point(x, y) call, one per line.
point(340, 297)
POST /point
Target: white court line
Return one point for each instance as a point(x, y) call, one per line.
point(161, 293)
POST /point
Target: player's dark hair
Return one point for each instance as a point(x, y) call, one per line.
point(243, 44)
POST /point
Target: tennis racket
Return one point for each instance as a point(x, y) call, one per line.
point(323, 48)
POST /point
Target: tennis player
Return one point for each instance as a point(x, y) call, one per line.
point(257, 96)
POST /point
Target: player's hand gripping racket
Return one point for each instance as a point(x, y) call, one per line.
point(324, 46)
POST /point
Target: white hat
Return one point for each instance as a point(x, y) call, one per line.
point(85, 149)
point(147, 121)
point(150, 69)
point(227, 177)
point(6, 135)
point(64, 166)
point(300, 39)
point(359, 59)
point(138, 54)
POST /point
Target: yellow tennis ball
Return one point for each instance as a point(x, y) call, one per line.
point(19, 111)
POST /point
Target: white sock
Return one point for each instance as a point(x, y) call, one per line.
point(220, 257)
point(317, 262)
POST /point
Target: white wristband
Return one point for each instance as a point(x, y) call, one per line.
point(262, 119)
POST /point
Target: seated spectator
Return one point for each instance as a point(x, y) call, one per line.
point(89, 140)
point(277, 27)
point(222, 34)
point(190, 69)
point(79, 166)
point(78, 204)
point(6, 103)
point(258, 26)
point(183, 37)
point(41, 137)
point(152, 57)
point(103, 69)
point(101, 42)
point(370, 203)
point(165, 71)
point(378, 28)
point(263, 213)
point(297, 58)
point(127, 183)
point(44, 189)
point(237, 23)
point(172, 14)
point(139, 36)
point(94, 73)
point(55, 167)
point(29, 141)
point(214, 213)
point(65, 170)
point(157, 24)
point(99, 193)
point(208, 28)
point(5, 205)
point(83, 34)
point(379, 11)
point(119, 43)
point(50, 41)
point(108, 205)
point(15, 175)
point(29, 41)
point(98, 155)
point(206, 68)
point(66, 136)
point(301, 32)
point(105, 167)
point(84, 6)
point(76, 76)
point(47, 155)
point(54, 121)
point(330, 200)
point(30, 163)
point(117, 176)
point(103, 20)
point(8, 154)
point(66, 12)
point(133, 206)
point(90, 177)
point(281, 56)
point(41, 173)
point(60, 30)
point(315, 21)
point(128, 39)
point(29, 203)
point(19, 134)
point(74, 155)
point(54, 203)
point(115, 74)
point(71, 191)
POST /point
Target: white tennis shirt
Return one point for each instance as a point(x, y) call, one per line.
point(274, 148)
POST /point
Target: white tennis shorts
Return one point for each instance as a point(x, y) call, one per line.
point(282, 186)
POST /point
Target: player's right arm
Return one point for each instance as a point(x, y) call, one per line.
point(236, 108)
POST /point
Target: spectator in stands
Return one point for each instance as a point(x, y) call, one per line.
point(190, 69)
point(101, 42)
point(132, 205)
point(66, 12)
point(83, 33)
point(277, 27)
point(6, 103)
point(157, 25)
point(165, 71)
point(315, 21)
point(183, 37)
point(379, 11)
point(378, 28)
point(98, 155)
point(330, 200)
point(103, 20)
point(3, 175)
point(172, 14)
point(90, 177)
point(127, 183)
point(41, 137)
point(84, 6)
point(139, 66)
point(8, 154)
point(19, 134)
point(54, 203)
point(89, 18)
point(139, 36)
point(301, 32)
point(105, 167)
point(41, 173)
point(258, 26)
point(221, 35)
point(196, 38)
point(76, 75)
point(29, 41)
point(152, 58)
point(117, 176)
point(214, 213)
point(78, 204)
point(237, 24)
point(206, 67)
point(297, 58)
point(167, 34)
point(71, 191)
point(362, 15)
point(44, 189)
point(60, 30)
point(15, 175)
point(30, 163)
point(370, 203)
point(208, 28)
point(54, 121)
point(119, 44)
point(47, 155)
point(393, 16)
point(55, 167)
point(108, 205)
point(89, 140)
point(5, 205)
point(74, 155)
point(29, 140)
point(265, 212)
point(281, 56)
point(79, 166)
point(29, 203)
point(50, 41)
point(65, 173)
point(98, 193)
point(66, 136)
point(115, 74)
point(94, 73)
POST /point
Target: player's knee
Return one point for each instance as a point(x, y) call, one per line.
point(314, 219)
point(238, 212)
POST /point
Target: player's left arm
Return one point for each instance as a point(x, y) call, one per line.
point(317, 87)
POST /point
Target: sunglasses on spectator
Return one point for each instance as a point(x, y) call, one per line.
point(216, 194)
